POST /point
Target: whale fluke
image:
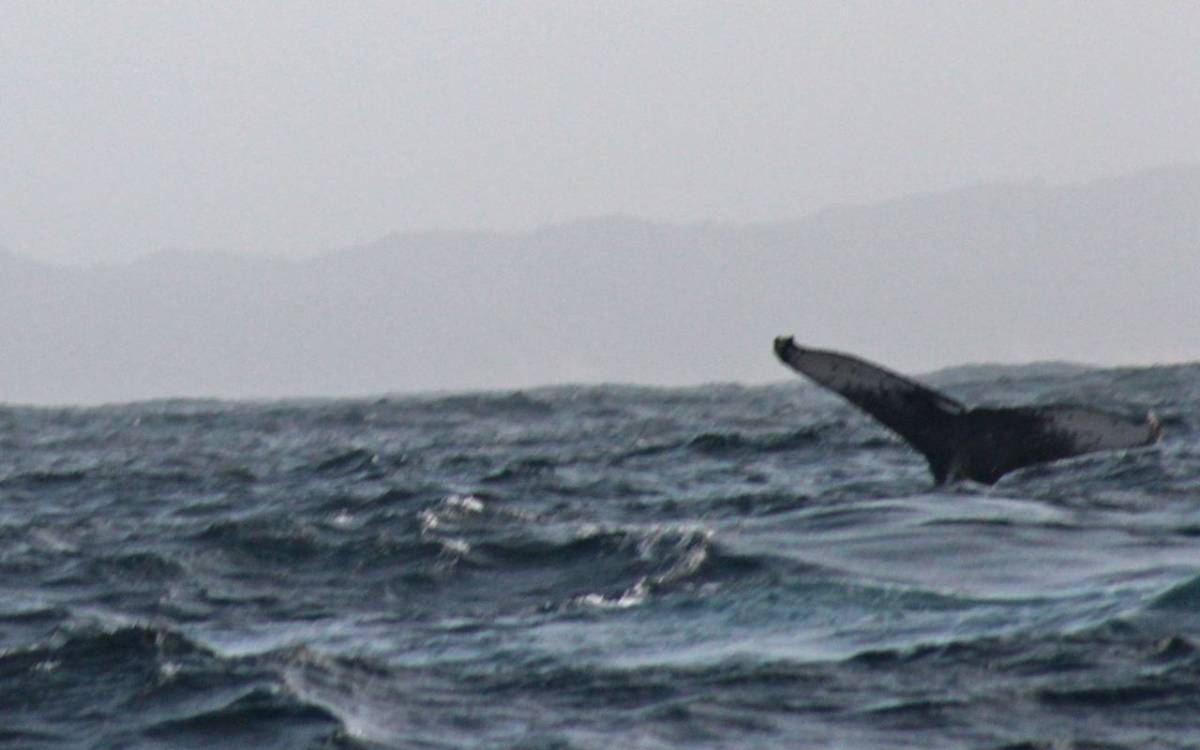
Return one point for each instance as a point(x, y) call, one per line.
point(980, 444)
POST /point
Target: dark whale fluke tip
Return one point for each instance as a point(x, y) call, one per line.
point(980, 444)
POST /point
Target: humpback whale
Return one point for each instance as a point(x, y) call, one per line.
point(981, 444)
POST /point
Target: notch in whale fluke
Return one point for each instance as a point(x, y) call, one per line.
point(981, 444)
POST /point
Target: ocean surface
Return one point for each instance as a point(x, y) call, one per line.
point(594, 567)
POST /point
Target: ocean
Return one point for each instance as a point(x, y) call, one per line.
point(594, 567)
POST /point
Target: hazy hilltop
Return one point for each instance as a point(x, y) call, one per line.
point(1104, 272)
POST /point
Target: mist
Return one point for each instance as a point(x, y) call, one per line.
point(298, 129)
point(261, 200)
point(1102, 273)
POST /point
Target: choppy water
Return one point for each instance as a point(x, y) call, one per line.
point(719, 567)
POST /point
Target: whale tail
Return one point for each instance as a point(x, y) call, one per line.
point(959, 443)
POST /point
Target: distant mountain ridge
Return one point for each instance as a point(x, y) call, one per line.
point(1103, 272)
point(990, 371)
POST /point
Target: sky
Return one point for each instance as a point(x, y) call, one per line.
point(292, 128)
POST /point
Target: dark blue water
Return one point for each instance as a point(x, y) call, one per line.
point(613, 567)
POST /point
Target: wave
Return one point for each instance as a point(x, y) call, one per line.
point(1183, 597)
point(266, 540)
point(182, 414)
point(42, 479)
point(586, 567)
point(597, 564)
point(751, 504)
point(135, 567)
point(517, 404)
point(355, 461)
point(737, 444)
point(158, 685)
point(732, 444)
point(377, 704)
point(75, 659)
point(1121, 695)
point(249, 720)
point(263, 547)
point(37, 615)
point(521, 470)
point(123, 478)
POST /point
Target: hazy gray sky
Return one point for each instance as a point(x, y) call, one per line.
point(293, 127)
